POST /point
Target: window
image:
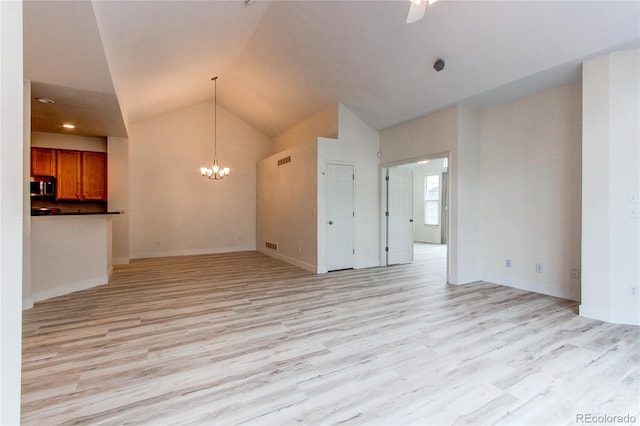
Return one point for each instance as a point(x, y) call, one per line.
point(432, 200)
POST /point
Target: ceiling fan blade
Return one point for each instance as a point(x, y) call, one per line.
point(416, 11)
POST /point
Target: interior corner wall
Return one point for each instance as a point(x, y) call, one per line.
point(611, 187)
point(357, 144)
point(323, 124)
point(173, 209)
point(531, 192)
point(118, 187)
point(286, 205)
point(11, 208)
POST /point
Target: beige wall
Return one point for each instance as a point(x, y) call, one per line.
point(63, 141)
point(323, 124)
point(286, 205)
point(530, 192)
point(173, 209)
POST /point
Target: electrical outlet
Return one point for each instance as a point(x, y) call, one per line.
point(539, 268)
point(575, 274)
point(507, 263)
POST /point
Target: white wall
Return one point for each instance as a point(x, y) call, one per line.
point(611, 187)
point(323, 124)
point(173, 209)
point(465, 199)
point(426, 233)
point(530, 192)
point(357, 144)
point(118, 187)
point(27, 301)
point(69, 253)
point(11, 209)
point(286, 205)
point(498, 158)
point(73, 142)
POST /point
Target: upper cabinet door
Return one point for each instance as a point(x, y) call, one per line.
point(69, 175)
point(94, 176)
point(43, 162)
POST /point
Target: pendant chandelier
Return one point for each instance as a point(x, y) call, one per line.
point(215, 172)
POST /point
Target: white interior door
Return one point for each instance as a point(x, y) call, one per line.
point(340, 217)
point(399, 216)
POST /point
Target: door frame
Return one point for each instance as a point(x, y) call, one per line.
point(325, 212)
point(383, 201)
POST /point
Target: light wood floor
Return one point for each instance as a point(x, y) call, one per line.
point(242, 338)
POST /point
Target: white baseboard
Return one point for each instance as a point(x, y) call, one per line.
point(41, 295)
point(304, 265)
point(171, 253)
point(464, 279)
point(616, 317)
point(563, 293)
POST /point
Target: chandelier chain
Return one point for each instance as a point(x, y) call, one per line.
point(215, 117)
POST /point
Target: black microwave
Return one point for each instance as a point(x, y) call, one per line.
point(43, 187)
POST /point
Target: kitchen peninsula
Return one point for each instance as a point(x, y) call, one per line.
point(69, 252)
point(71, 226)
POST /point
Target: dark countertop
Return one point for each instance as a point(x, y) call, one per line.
point(34, 213)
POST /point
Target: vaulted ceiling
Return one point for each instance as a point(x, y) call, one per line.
point(280, 62)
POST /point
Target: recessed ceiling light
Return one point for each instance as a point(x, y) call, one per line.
point(45, 101)
point(68, 126)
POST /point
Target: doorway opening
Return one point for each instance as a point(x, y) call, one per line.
point(415, 217)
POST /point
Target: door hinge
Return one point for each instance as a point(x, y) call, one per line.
point(353, 177)
point(354, 251)
point(386, 249)
point(354, 214)
point(386, 214)
point(386, 178)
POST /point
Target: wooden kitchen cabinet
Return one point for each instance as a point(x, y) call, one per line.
point(43, 162)
point(94, 176)
point(69, 175)
point(82, 175)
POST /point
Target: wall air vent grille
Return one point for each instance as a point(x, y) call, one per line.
point(272, 246)
point(285, 160)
